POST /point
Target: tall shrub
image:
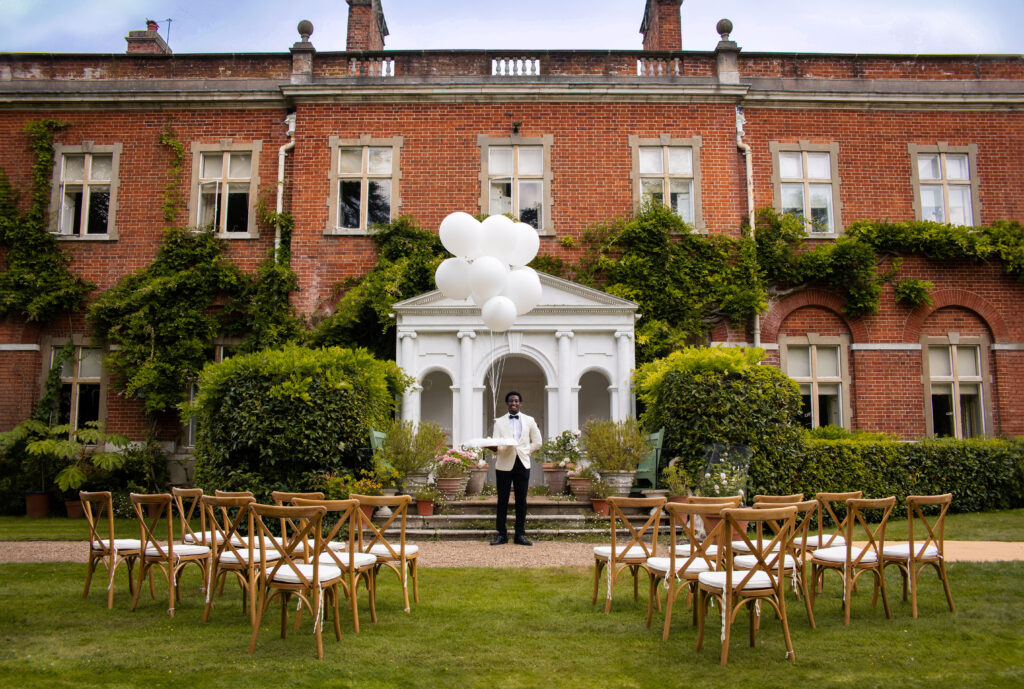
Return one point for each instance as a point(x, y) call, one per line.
point(720, 395)
point(279, 419)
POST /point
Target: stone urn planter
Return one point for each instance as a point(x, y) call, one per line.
point(580, 486)
point(450, 487)
point(414, 480)
point(475, 485)
point(621, 482)
point(555, 476)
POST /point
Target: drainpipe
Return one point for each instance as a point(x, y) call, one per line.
point(282, 153)
point(745, 147)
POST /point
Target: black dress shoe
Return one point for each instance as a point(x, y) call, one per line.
point(520, 539)
point(499, 540)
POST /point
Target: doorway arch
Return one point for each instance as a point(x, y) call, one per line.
point(595, 398)
point(436, 401)
point(525, 376)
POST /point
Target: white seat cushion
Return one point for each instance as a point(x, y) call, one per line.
point(381, 550)
point(229, 558)
point(741, 546)
point(337, 545)
point(684, 550)
point(120, 544)
point(759, 580)
point(288, 576)
point(838, 554)
point(813, 541)
point(634, 553)
point(360, 559)
point(902, 551)
point(750, 561)
point(662, 564)
point(180, 550)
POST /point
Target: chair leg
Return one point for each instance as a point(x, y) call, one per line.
point(885, 595)
point(755, 622)
point(352, 584)
point(318, 622)
point(945, 584)
point(88, 573)
point(405, 585)
point(414, 570)
point(284, 614)
point(808, 606)
point(670, 599)
point(699, 607)
point(598, 566)
point(785, 630)
point(727, 625)
point(263, 602)
point(337, 615)
point(135, 596)
point(634, 570)
point(172, 588)
point(371, 589)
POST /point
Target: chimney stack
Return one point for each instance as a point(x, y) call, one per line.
point(148, 41)
point(366, 26)
point(662, 27)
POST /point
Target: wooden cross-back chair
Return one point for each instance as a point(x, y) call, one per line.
point(764, 582)
point(827, 502)
point(160, 550)
point(778, 499)
point(232, 542)
point(634, 553)
point(313, 583)
point(686, 560)
point(715, 500)
point(188, 508)
point(355, 565)
point(852, 560)
point(925, 547)
point(103, 547)
point(402, 558)
point(233, 493)
point(281, 497)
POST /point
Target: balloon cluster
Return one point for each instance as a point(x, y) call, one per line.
point(490, 266)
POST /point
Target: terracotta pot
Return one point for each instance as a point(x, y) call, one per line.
point(367, 510)
point(601, 506)
point(450, 487)
point(677, 498)
point(580, 487)
point(74, 509)
point(153, 509)
point(555, 476)
point(475, 485)
point(424, 508)
point(37, 504)
point(710, 522)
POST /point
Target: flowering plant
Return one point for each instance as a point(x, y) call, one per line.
point(725, 471)
point(580, 470)
point(563, 449)
point(454, 463)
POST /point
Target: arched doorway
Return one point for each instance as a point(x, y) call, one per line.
point(436, 400)
point(595, 399)
point(525, 377)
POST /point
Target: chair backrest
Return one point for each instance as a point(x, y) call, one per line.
point(377, 439)
point(931, 529)
point(150, 529)
point(281, 497)
point(873, 536)
point(227, 516)
point(647, 469)
point(188, 506)
point(826, 508)
point(307, 521)
point(636, 537)
point(233, 494)
point(778, 499)
point(345, 524)
point(99, 514)
point(772, 529)
point(806, 512)
point(399, 505)
point(681, 517)
point(727, 500)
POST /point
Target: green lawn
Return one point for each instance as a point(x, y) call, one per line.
point(500, 628)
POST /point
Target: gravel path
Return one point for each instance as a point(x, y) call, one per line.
point(480, 554)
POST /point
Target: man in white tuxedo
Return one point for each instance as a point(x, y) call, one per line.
point(512, 467)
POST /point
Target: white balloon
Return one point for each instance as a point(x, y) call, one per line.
point(524, 289)
point(487, 278)
point(499, 237)
point(460, 234)
point(499, 313)
point(527, 244)
point(452, 278)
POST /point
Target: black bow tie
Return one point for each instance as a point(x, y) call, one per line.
point(513, 416)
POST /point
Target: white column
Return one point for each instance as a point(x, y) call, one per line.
point(624, 367)
point(407, 357)
point(462, 424)
point(566, 380)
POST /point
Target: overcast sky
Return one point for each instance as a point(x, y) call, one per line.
point(213, 26)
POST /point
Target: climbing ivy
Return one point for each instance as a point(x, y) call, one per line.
point(172, 198)
point(37, 283)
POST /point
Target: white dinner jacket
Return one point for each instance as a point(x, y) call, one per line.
point(529, 442)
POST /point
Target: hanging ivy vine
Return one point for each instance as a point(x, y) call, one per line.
point(37, 283)
point(172, 197)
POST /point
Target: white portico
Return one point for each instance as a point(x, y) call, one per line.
point(571, 357)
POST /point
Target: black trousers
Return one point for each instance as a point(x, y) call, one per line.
point(518, 478)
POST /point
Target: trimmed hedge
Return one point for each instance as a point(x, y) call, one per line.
point(280, 419)
point(981, 474)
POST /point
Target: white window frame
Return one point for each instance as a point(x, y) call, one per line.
point(805, 147)
point(665, 142)
point(57, 188)
point(189, 428)
point(53, 346)
point(943, 149)
point(254, 148)
point(954, 341)
point(813, 341)
point(335, 177)
point(515, 141)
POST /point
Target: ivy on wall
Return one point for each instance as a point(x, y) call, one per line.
point(37, 283)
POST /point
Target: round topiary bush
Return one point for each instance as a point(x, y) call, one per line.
point(280, 419)
point(706, 396)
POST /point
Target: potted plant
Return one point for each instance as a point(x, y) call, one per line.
point(451, 472)
point(725, 474)
point(677, 480)
point(410, 449)
point(36, 470)
point(580, 477)
point(426, 497)
point(616, 448)
point(477, 474)
point(557, 454)
point(600, 491)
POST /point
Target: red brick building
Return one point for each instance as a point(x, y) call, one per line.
point(565, 139)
